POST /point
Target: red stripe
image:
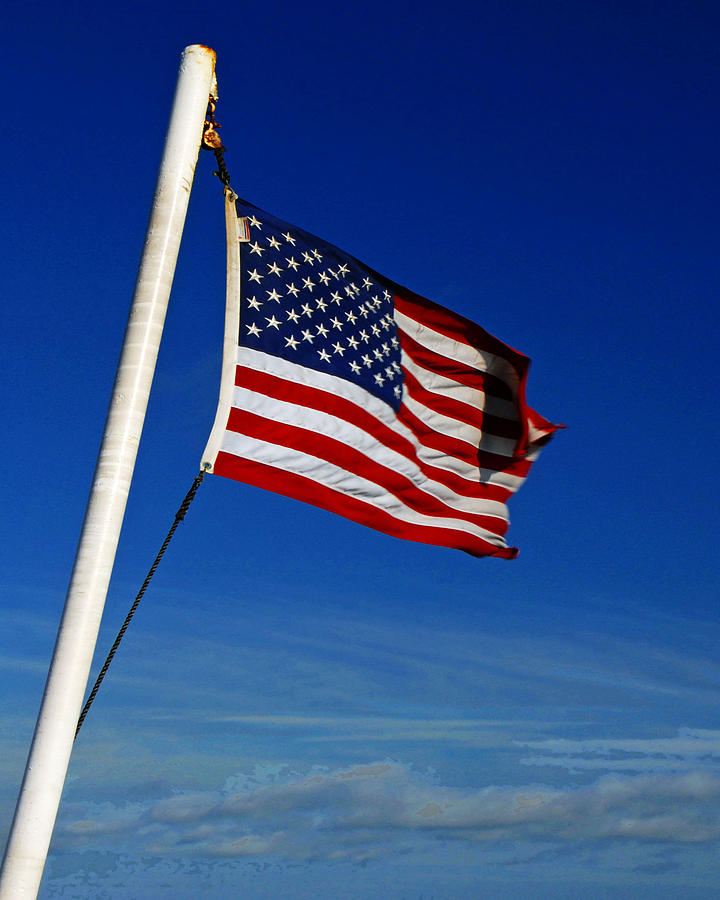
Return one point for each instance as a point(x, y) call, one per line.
point(458, 328)
point(355, 462)
point(332, 404)
point(477, 379)
point(301, 488)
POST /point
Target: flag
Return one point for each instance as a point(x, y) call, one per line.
point(347, 391)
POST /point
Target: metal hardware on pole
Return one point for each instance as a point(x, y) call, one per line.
point(52, 743)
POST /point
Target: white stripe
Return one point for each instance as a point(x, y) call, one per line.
point(322, 423)
point(446, 387)
point(273, 365)
point(457, 350)
point(344, 482)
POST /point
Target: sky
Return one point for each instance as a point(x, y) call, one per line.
point(303, 707)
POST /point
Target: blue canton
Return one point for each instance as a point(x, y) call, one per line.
point(305, 301)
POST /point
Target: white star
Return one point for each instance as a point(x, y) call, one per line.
point(307, 283)
point(306, 310)
point(253, 329)
point(353, 342)
point(363, 311)
point(324, 278)
point(289, 238)
point(335, 297)
point(338, 348)
point(355, 289)
point(384, 322)
point(321, 304)
point(379, 379)
point(316, 255)
point(336, 323)
point(322, 330)
point(333, 273)
point(355, 367)
point(387, 295)
point(254, 303)
point(396, 367)
point(375, 329)
point(386, 349)
point(291, 289)
point(254, 222)
point(273, 322)
point(274, 243)
point(367, 361)
point(351, 317)
point(308, 257)
point(389, 372)
point(273, 295)
point(292, 263)
point(274, 269)
point(377, 353)
point(256, 248)
point(255, 276)
point(343, 270)
point(395, 342)
point(324, 355)
point(397, 390)
point(308, 336)
point(292, 315)
point(291, 342)
point(367, 284)
point(364, 336)
point(349, 291)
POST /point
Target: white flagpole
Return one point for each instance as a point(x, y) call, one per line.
point(49, 756)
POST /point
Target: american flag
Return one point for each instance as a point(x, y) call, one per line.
point(346, 390)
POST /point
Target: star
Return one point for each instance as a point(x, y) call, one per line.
point(335, 297)
point(324, 278)
point(385, 349)
point(363, 311)
point(349, 291)
point(321, 304)
point(307, 310)
point(253, 329)
point(274, 269)
point(396, 367)
point(375, 329)
point(255, 276)
point(254, 222)
point(274, 243)
point(379, 379)
point(353, 342)
point(254, 303)
point(256, 248)
point(322, 330)
point(292, 263)
point(367, 361)
point(376, 353)
point(291, 289)
point(291, 342)
point(395, 342)
point(289, 238)
point(292, 315)
point(273, 322)
point(389, 372)
point(367, 284)
point(351, 317)
point(397, 390)
point(308, 336)
point(338, 348)
point(355, 367)
point(308, 257)
point(316, 254)
point(333, 273)
point(324, 355)
point(307, 283)
point(384, 322)
point(343, 270)
point(336, 323)
point(355, 289)
point(364, 336)
point(273, 295)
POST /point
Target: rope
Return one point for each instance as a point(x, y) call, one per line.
point(179, 516)
point(211, 141)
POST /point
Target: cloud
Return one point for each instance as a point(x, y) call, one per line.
point(692, 748)
point(364, 812)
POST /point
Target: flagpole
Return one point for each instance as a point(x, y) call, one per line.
point(52, 743)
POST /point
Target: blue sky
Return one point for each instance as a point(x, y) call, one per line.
point(303, 707)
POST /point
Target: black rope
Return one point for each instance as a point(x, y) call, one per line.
point(179, 516)
point(222, 172)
